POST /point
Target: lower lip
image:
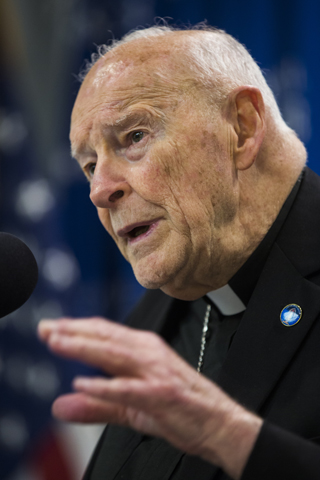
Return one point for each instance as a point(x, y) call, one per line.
point(152, 227)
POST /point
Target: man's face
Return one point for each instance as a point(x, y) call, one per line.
point(160, 171)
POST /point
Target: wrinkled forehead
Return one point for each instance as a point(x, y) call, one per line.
point(108, 70)
point(142, 61)
point(137, 61)
point(128, 74)
point(105, 82)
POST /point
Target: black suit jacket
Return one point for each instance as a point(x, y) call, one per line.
point(270, 369)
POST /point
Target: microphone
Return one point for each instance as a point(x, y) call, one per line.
point(18, 273)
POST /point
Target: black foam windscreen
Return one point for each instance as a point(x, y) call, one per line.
point(18, 273)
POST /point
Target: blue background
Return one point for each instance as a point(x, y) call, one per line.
point(43, 197)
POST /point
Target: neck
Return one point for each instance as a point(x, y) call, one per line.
point(263, 189)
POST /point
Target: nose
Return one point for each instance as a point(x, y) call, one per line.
point(108, 185)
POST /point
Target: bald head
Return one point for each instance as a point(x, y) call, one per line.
point(210, 57)
point(162, 62)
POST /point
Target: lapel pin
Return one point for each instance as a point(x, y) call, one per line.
point(291, 315)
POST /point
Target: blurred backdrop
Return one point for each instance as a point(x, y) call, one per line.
point(44, 199)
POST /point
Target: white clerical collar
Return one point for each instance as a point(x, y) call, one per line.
point(226, 301)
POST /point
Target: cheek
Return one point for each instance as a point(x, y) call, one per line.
point(104, 217)
point(151, 181)
point(176, 172)
point(197, 178)
point(172, 175)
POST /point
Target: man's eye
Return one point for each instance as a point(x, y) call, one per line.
point(137, 136)
point(90, 169)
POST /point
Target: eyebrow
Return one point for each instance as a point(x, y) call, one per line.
point(77, 151)
point(125, 120)
point(130, 117)
point(74, 151)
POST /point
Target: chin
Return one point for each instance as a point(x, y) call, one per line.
point(158, 272)
point(151, 283)
point(153, 278)
point(169, 285)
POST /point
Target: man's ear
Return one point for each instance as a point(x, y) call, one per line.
point(246, 114)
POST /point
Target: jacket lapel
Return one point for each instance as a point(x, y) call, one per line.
point(114, 452)
point(262, 347)
point(152, 312)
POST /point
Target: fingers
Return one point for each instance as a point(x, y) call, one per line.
point(91, 351)
point(117, 401)
point(155, 408)
point(122, 391)
point(114, 348)
point(79, 407)
point(90, 327)
point(155, 398)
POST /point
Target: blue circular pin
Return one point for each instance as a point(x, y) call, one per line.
point(291, 315)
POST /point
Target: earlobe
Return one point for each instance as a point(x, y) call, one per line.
point(246, 113)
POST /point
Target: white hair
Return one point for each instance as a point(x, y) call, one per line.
point(216, 58)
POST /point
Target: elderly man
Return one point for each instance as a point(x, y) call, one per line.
point(203, 187)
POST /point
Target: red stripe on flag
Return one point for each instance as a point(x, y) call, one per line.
point(50, 461)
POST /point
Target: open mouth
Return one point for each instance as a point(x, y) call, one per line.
point(137, 231)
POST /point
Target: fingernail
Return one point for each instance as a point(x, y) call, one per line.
point(45, 327)
point(55, 338)
point(81, 382)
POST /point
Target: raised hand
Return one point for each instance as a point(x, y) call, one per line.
point(151, 389)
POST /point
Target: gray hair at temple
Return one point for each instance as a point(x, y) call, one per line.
point(220, 63)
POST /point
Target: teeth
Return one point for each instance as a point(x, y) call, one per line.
point(139, 231)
